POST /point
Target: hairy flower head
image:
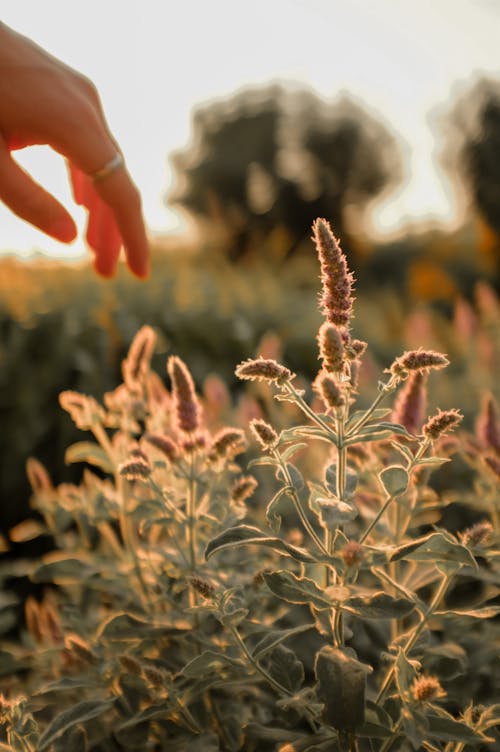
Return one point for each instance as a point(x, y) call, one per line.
point(264, 433)
point(228, 442)
point(442, 422)
point(186, 406)
point(477, 534)
point(337, 281)
point(331, 347)
point(136, 365)
point(263, 369)
point(243, 488)
point(417, 360)
point(426, 688)
point(411, 402)
point(136, 468)
point(329, 391)
point(488, 424)
point(163, 444)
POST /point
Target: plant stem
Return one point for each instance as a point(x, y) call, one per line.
point(191, 509)
point(298, 506)
point(438, 595)
point(377, 517)
point(310, 412)
point(391, 739)
point(384, 390)
point(262, 671)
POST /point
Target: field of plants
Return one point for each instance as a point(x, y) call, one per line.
point(255, 509)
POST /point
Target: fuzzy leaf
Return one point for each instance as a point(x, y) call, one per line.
point(206, 663)
point(341, 686)
point(438, 547)
point(73, 740)
point(295, 476)
point(379, 606)
point(295, 589)
point(242, 535)
point(63, 570)
point(87, 451)
point(378, 414)
point(286, 668)
point(334, 512)
point(486, 612)
point(291, 450)
point(447, 729)
point(80, 713)
point(273, 510)
point(394, 480)
point(351, 480)
point(275, 637)
point(370, 434)
point(124, 627)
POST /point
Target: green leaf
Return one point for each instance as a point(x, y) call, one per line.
point(87, 451)
point(378, 414)
point(295, 589)
point(307, 432)
point(351, 480)
point(73, 740)
point(447, 729)
point(486, 612)
point(63, 570)
point(438, 547)
point(274, 510)
point(209, 661)
point(447, 660)
point(378, 724)
point(341, 686)
point(365, 435)
point(379, 606)
point(334, 512)
point(432, 461)
point(275, 637)
point(80, 713)
point(295, 476)
point(263, 461)
point(291, 450)
point(285, 667)
point(243, 535)
point(394, 479)
point(124, 627)
point(67, 683)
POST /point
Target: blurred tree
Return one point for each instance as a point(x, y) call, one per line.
point(275, 158)
point(473, 148)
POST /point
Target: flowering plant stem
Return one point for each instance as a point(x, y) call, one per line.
point(438, 596)
point(296, 503)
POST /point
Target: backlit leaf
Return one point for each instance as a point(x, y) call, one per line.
point(295, 589)
point(243, 535)
point(394, 480)
point(79, 713)
point(379, 606)
point(87, 451)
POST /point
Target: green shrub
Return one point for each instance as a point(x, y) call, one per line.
point(324, 611)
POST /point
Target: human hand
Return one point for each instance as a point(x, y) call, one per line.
point(43, 101)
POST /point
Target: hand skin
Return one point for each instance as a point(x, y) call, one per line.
point(43, 101)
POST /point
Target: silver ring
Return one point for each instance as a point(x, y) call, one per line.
point(113, 165)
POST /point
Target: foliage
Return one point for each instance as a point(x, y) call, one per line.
point(274, 158)
point(165, 631)
point(77, 329)
point(474, 140)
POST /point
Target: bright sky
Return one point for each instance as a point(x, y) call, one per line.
point(154, 60)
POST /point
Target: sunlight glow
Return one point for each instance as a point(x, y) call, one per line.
point(153, 62)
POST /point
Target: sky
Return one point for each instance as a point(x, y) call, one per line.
point(153, 61)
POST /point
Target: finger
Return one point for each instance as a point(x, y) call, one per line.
point(119, 192)
point(102, 234)
point(90, 149)
point(104, 238)
point(31, 202)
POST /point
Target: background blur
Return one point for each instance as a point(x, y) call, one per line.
point(241, 123)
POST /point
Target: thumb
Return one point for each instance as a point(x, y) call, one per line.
point(30, 201)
